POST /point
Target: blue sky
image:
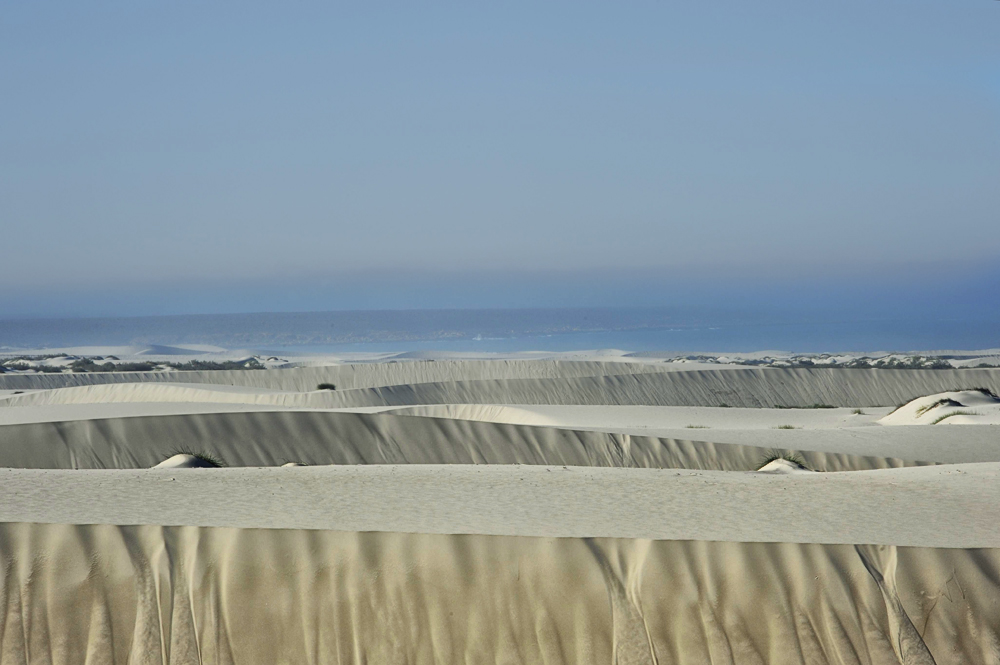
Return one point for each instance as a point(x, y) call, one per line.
point(199, 157)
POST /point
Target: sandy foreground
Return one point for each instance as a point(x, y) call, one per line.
point(501, 511)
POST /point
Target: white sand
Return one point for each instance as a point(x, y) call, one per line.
point(558, 382)
point(942, 506)
point(187, 595)
point(965, 407)
point(516, 510)
point(621, 418)
point(267, 438)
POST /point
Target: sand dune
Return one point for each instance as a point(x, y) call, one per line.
point(53, 413)
point(888, 506)
point(752, 388)
point(317, 437)
point(966, 407)
point(184, 594)
point(566, 382)
point(550, 511)
point(350, 375)
point(829, 430)
point(619, 417)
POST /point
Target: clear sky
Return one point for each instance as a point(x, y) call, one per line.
point(196, 157)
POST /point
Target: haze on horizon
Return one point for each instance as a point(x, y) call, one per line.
point(206, 158)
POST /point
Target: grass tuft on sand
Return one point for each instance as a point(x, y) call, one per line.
point(953, 413)
point(777, 453)
point(206, 458)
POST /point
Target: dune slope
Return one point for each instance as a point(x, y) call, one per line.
point(183, 594)
point(318, 437)
point(745, 387)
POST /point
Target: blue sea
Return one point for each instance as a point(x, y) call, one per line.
point(854, 336)
point(507, 331)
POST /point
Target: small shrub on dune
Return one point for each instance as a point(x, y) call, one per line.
point(941, 402)
point(205, 458)
point(326, 386)
point(787, 455)
point(954, 413)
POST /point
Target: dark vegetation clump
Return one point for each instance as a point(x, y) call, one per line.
point(941, 402)
point(953, 413)
point(912, 362)
point(88, 365)
point(206, 458)
point(777, 453)
point(199, 365)
point(811, 406)
point(99, 364)
point(326, 386)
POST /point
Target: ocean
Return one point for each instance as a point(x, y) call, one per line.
point(511, 330)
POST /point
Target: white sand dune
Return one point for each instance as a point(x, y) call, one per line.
point(184, 594)
point(618, 417)
point(937, 506)
point(831, 430)
point(966, 407)
point(352, 375)
point(53, 413)
point(267, 438)
point(123, 393)
point(564, 382)
point(962, 444)
point(513, 510)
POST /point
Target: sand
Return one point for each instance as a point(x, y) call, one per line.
point(891, 507)
point(266, 438)
point(549, 382)
point(966, 407)
point(185, 594)
point(498, 511)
